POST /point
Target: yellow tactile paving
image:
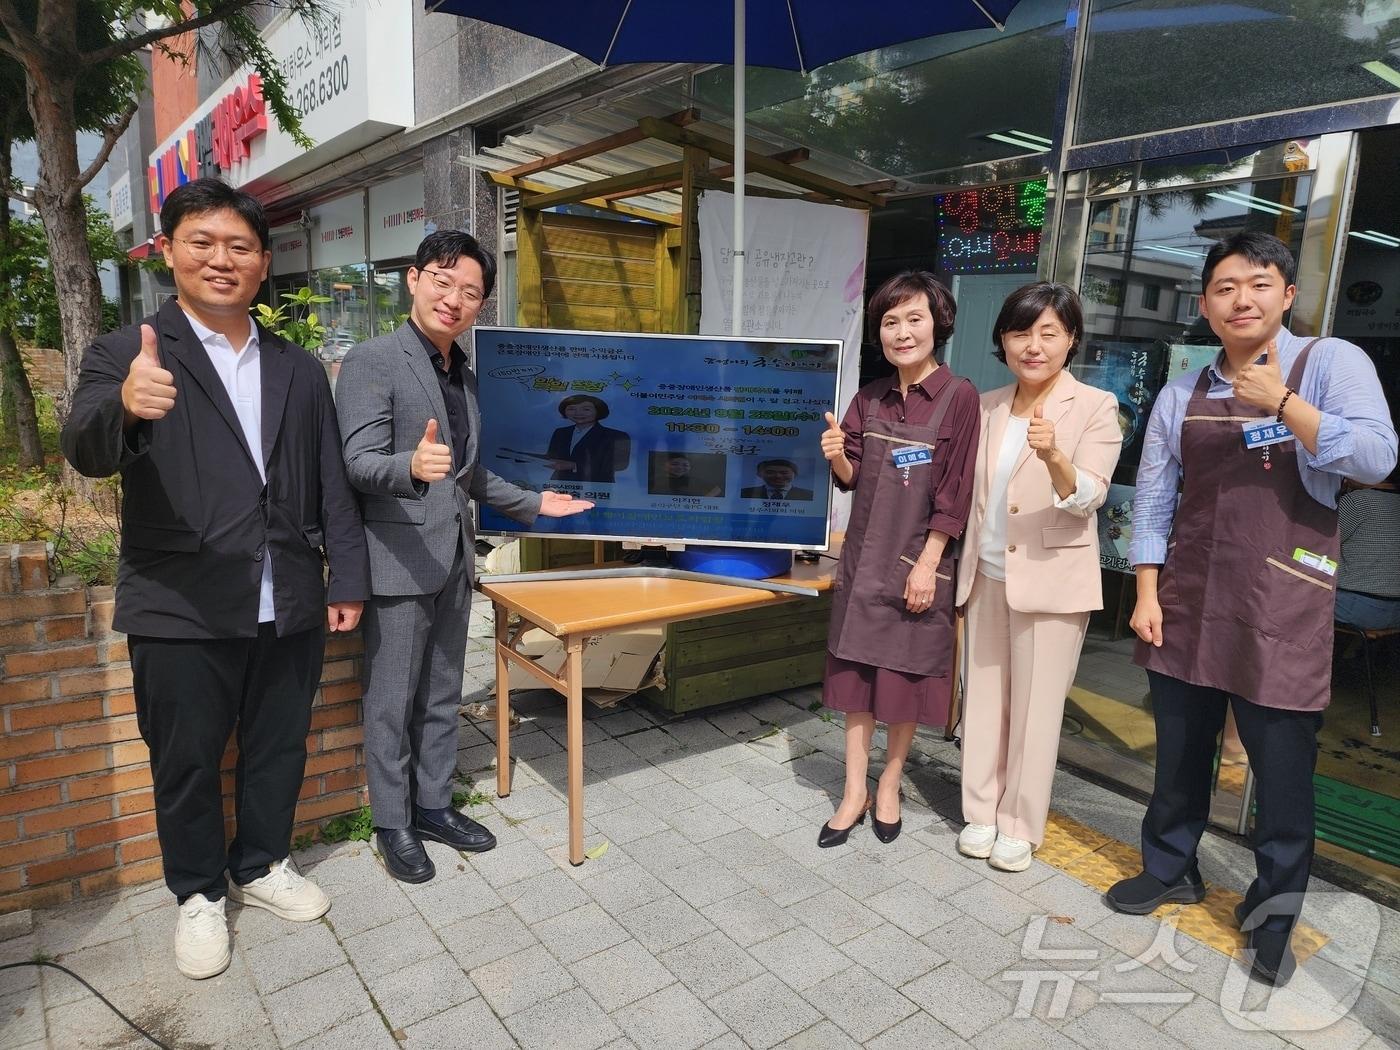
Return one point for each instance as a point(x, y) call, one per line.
point(1099, 861)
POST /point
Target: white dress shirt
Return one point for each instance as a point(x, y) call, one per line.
point(580, 432)
point(240, 371)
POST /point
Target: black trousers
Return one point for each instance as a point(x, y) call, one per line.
point(1282, 749)
point(191, 694)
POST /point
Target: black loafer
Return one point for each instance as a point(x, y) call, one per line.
point(1270, 956)
point(1242, 910)
point(404, 855)
point(1143, 893)
point(455, 830)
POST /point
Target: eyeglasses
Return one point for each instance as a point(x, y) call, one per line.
point(443, 285)
point(201, 250)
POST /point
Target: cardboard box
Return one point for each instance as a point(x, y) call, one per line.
point(615, 664)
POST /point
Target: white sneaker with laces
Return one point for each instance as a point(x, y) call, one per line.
point(284, 893)
point(1011, 854)
point(976, 840)
point(201, 938)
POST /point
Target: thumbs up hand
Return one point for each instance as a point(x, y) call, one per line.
point(1040, 435)
point(149, 390)
point(1260, 384)
point(833, 439)
point(431, 461)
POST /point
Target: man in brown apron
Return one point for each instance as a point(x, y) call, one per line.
point(1236, 583)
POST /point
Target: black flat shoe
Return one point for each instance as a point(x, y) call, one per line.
point(829, 836)
point(1270, 956)
point(403, 854)
point(1143, 893)
point(455, 830)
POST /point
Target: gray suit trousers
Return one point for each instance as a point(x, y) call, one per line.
point(415, 649)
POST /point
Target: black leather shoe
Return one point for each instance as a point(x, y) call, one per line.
point(1144, 893)
point(1242, 910)
point(455, 830)
point(404, 855)
point(887, 832)
point(829, 836)
point(1270, 956)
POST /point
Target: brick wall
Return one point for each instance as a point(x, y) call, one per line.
point(76, 813)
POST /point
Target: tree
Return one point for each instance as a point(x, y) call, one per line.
point(80, 69)
point(19, 415)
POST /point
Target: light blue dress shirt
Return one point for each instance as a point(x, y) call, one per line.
point(1356, 438)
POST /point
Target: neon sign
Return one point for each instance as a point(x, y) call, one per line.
point(216, 142)
point(996, 229)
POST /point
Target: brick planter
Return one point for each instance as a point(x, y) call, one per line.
point(76, 812)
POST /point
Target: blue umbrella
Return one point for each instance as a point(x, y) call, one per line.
point(785, 34)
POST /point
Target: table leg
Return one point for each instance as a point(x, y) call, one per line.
point(502, 615)
point(573, 678)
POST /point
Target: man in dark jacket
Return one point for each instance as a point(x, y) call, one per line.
point(227, 443)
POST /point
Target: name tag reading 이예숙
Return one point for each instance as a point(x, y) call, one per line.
point(911, 456)
point(1261, 432)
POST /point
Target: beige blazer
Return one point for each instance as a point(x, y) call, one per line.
point(1052, 555)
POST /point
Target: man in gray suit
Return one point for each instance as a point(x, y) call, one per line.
point(410, 428)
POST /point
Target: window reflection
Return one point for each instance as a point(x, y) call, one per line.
point(1159, 64)
point(918, 108)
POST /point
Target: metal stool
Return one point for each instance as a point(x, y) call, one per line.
point(1368, 636)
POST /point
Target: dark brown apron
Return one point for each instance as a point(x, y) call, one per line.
point(870, 622)
point(1239, 612)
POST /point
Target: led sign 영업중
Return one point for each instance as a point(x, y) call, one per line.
point(995, 229)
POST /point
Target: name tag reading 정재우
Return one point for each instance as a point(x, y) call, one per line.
point(1261, 432)
point(911, 456)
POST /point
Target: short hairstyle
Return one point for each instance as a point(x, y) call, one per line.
point(778, 463)
point(1025, 304)
point(445, 247)
point(904, 286)
point(1262, 249)
point(201, 196)
point(599, 405)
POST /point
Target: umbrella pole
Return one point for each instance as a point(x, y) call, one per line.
point(736, 323)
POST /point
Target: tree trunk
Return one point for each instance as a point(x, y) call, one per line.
point(20, 419)
point(60, 203)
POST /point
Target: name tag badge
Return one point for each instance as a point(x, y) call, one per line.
point(1320, 562)
point(911, 456)
point(1263, 432)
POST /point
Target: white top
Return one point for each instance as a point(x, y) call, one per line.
point(991, 551)
point(240, 371)
point(578, 435)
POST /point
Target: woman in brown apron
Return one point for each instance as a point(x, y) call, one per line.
point(907, 446)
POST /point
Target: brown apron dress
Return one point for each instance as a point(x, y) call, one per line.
point(870, 622)
point(1239, 612)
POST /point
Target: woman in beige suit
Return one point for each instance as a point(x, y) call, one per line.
point(1029, 574)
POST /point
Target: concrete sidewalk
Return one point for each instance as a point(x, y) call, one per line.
point(712, 919)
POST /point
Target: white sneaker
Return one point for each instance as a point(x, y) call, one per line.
point(284, 893)
point(201, 938)
point(976, 840)
point(1011, 854)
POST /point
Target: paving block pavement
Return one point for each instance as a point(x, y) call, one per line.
point(712, 920)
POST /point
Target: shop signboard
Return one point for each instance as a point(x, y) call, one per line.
point(345, 77)
point(338, 232)
point(119, 203)
point(396, 218)
point(690, 439)
point(289, 251)
point(993, 229)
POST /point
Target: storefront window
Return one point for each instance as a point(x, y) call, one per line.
point(391, 299)
point(346, 316)
point(1155, 65)
point(918, 108)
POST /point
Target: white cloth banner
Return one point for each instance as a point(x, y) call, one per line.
point(804, 278)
